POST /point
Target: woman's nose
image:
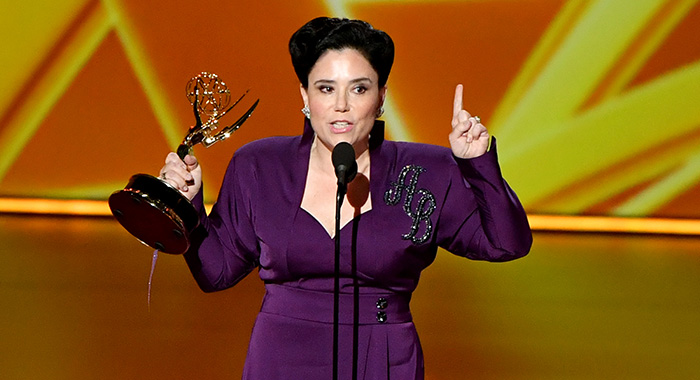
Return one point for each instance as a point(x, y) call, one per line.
point(341, 102)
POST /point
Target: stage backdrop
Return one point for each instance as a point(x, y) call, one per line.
point(595, 103)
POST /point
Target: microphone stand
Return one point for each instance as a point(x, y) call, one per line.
point(344, 161)
point(340, 196)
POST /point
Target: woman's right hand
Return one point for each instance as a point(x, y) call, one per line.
point(185, 176)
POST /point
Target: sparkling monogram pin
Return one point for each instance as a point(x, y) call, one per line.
point(424, 206)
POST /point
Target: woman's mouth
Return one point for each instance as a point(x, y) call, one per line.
point(341, 126)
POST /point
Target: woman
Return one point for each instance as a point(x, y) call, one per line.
point(276, 212)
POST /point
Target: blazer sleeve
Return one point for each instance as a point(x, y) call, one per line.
point(224, 248)
point(482, 218)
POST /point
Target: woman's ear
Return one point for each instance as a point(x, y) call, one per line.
point(304, 94)
point(382, 94)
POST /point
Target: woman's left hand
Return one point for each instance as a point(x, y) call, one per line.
point(469, 138)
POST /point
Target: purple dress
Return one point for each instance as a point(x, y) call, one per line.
point(422, 198)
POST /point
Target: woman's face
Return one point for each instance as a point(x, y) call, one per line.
point(343, 96)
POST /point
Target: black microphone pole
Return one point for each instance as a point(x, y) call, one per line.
point(340, 195)
point(343, 158)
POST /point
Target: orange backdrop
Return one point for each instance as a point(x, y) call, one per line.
point(594, 102)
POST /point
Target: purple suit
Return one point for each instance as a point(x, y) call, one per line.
point(422, 198)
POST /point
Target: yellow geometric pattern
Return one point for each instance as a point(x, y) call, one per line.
point(544, 116)
point(103, 16)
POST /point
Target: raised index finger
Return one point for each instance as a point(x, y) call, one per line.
point(458, 100)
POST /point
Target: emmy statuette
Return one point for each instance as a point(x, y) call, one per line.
point(151, 209)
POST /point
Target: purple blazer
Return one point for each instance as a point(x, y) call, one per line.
point(422, 198)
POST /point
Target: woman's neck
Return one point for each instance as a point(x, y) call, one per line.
point(321, 157)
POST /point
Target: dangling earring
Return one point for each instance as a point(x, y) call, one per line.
point(306, 111)
point(380, 112)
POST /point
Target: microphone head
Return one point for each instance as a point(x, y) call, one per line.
point(343, 158)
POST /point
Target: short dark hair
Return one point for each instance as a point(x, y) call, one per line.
point(323, 33)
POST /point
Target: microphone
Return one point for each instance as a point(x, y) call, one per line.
point(343, 158)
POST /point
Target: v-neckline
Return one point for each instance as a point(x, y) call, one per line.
point(331, 234)
point(330, 230)
point(377, 165)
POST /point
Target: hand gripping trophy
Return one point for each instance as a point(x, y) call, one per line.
point(150, 208)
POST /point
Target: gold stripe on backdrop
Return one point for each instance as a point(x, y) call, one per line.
point(62, 207)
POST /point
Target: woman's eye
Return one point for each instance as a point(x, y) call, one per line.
point(360, 89)
point(325, 89)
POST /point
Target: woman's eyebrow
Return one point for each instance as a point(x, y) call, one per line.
point(331, 81)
